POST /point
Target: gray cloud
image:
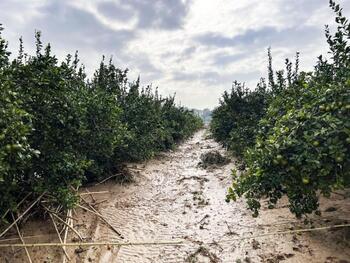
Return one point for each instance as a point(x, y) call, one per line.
point(123, 13)
point(189, 51)
point(65, 25)
point(180, 56)
point(185, 46)
point(142, 65)
point(157, 14)
point(224, 59)
point(183, 76)
point(262, 37)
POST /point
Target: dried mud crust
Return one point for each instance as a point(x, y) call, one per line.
point(172, 198)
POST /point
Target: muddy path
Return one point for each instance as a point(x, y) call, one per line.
point(172, 198)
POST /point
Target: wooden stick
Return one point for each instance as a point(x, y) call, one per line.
point(134, 168)
point(205, 217)
point(22, 240)
point(164, 242)
point(71, 223)
point(16, 238)
point(94, 211)
point(88, 210)
point(110, 177)
point(87, 244)
point(65, 222)
point(229, 229)
point(56, 213)
point(100, 202)
point(89, 193)
point(59, 236)
point(19, 218)
point(8, 210)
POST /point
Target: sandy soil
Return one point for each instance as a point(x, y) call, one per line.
point(172, 198)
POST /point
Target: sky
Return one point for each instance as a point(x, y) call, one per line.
point(192, 48)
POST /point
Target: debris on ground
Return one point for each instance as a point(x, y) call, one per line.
point(172, 197)
point(212, 158)
point(331, 209)
point(275, 257)
point(202, 252)
point(255, 244)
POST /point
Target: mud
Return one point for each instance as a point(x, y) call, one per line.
point(172, 198)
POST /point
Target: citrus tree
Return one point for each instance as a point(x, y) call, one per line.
point(302, 146)
point(59, 129)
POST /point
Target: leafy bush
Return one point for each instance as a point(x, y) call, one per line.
point(15, 126)
point(303, 143)
point(50, 94)
point(234, 121)
point(153, 123)
point(306, 151)
point(58, 129)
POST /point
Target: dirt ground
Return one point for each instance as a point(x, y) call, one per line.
point(172, 198)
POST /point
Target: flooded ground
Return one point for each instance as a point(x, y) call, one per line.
point(172, 198)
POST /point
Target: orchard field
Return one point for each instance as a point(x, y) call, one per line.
point(99, 168)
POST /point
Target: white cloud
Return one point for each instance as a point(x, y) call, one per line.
point(193, 48)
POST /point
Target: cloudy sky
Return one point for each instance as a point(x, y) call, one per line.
point(194, 48)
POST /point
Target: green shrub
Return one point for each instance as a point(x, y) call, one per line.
point(153, 123)
point(234, 122)
point(51, 95)
point(15, 151)
point(15, 126)
point(58, 129)
point(307, 151)
point(302, 146)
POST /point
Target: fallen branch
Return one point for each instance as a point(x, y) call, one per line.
point(26, 237)
point(94, 211)
point(164, 242)
point(134, 168)
point(100, 202)
point(88, 244)
point(71, 223)
point(110, 177)
point(229, 229)
point(65, 222)
point(89, 193)
point(87, 209)
point(194, 177)
point(23, 214)
point(205, 217)
point(56, 213)
point(59, 236)
point(8, 210)
point(22, 240)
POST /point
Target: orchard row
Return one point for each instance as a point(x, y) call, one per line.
point(59, 129)
point(293, 131)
